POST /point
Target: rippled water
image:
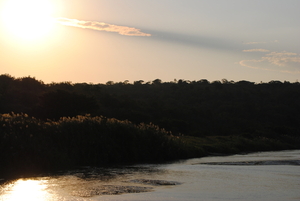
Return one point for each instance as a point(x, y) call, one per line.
point(258, 176)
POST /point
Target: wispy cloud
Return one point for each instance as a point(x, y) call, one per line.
point(255, 43)
point(287, 62)
point(101, 26)
point(256, 50)
point(251, 43)
point(282, 58)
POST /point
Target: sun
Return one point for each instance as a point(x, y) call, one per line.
point(28, 19)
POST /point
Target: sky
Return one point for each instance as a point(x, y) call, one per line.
point(96, 41)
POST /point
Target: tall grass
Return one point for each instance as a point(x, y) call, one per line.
point(29, 145)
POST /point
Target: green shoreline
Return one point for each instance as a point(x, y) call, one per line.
point(29, 146)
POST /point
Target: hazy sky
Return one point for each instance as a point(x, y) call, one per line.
point(96, 41)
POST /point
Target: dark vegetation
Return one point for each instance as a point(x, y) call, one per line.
point(40, 128)
point(29, 145)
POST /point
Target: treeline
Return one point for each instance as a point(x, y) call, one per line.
point(194, 108)
point(45, 127)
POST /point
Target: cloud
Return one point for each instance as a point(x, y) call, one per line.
point(256, 50)
point(287, 62)
point(101, 26)
point(251, 43)
point(282, 58)
point(254, 43)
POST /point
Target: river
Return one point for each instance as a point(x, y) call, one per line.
point(256, 176)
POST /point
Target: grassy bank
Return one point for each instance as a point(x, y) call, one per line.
point(219, 145)
point(29, 146)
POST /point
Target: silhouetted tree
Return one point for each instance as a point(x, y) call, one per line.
point(56, 104)
point(183, 106)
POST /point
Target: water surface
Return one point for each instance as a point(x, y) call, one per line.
point(257, 176)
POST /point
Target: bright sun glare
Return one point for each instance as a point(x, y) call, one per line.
point(30, 19)
point(33, 190)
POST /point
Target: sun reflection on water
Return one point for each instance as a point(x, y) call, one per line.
point(33, 190)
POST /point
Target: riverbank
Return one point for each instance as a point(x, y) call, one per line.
point(29, 146)
point(226, 145)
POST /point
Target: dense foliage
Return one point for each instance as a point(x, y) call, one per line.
point(61, 125)
point(196, 108)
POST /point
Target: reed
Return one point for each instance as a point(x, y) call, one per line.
point(29, 145)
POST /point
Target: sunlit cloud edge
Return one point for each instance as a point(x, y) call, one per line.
point(101, 26)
